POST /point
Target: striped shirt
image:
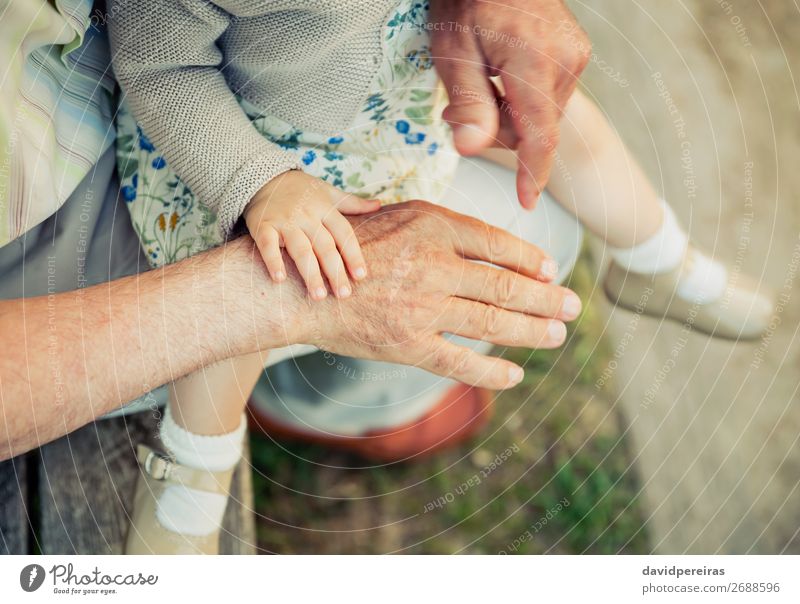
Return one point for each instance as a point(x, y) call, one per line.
point(56, 106)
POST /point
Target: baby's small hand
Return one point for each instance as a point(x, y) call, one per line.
point(305, 215)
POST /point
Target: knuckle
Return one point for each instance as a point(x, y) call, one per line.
point(292, 222)
point(451, 361)
point(303, 210)
point(504, 287)
point(306, 261)
point(533, 257)
point(550, 137)
point(584, 48)
point(498, 244)
point(398, 330)
point(264, 241)
point(291, 234)
point(439, 362)
point(302, 248)
point(350, 247)
point(461, 361)
point(521, 30)
point(432, 260)
point(490, 320)
point(534, 301)
point(326, 247)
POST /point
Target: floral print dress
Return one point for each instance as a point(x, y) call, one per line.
point(398, 148)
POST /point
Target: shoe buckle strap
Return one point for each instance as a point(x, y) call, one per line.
point(158, 466)
point(163, 468)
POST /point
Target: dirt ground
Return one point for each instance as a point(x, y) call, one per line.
point(706, 94)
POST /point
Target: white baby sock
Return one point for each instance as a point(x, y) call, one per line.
point(189, 511)
point(664, 251)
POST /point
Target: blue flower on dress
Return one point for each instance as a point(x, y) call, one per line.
point(376, 105)
point(128, 193)
point(135, 179)
point(402, 126)
point(144, 142)
point(308, 157)
point(415, 138)
point(289, 140)
point(374, 100)
point(159, 162)
point(334, 176)
point(335, 140)
point(432, 148)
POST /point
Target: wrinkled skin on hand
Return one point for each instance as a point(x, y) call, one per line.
point(424, 282)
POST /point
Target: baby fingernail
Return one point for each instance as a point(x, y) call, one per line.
point(360, 272)
point(549, 268)
point(320, 293)
point(557, 332)
point(344, 291)
point(280, 276)
point(571, 307)
point(515, 375)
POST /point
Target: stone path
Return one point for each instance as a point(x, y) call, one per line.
point(703, 91)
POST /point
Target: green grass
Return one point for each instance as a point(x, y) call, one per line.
point(567, 486)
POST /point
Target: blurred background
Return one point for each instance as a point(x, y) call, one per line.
point(604, 447)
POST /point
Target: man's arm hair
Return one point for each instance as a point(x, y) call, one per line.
point(72, 357)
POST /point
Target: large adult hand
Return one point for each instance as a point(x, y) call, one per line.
point(423, 282)
point(537, 49)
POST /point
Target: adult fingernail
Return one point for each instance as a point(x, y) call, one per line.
point(515, 375)
point(571, 307)
point(280, 276)
point(549, 269)
point(320, 293)
point(344, 291)
point(360, 272)
point(556, 332)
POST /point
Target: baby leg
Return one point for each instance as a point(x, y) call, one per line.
point(203, 428)
point(210, 401)
point(596, 178)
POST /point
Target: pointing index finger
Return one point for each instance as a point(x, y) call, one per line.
point(535, 112)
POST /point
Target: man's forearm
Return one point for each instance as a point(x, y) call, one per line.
point(71, 357)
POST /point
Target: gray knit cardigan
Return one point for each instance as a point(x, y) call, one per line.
point(180, 64)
